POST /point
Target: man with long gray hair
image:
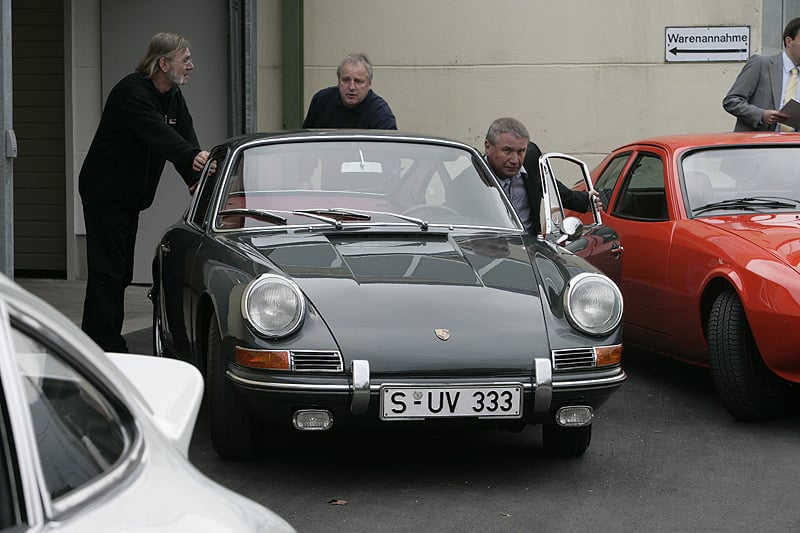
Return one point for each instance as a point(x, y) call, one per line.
point(145, 123)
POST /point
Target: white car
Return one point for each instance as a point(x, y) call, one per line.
point(98, 442)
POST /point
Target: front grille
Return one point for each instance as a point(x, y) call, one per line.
point(574, 359)
point(313, 361)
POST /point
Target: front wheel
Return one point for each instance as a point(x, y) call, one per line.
point(235, 431)
point(748, 389)
point(566, 442)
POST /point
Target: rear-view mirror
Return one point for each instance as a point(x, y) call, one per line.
point(372, 167)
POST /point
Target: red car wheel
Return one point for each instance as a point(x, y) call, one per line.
point(749, 390)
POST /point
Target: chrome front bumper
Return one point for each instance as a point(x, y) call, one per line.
point(360, 387)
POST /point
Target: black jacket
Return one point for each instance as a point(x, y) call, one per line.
point(327, 110)
point(140, 129)
point(572, 200)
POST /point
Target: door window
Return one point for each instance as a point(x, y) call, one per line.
point(643, 196)
point(78, 430)
point(205, 190)
point(608, 179)
point(10, 500)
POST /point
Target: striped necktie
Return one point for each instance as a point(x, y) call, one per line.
point(791, 92)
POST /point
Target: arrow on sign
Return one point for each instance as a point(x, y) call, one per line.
point(676, 51)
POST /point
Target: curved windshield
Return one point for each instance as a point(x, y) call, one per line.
point(742, 179)
point(340, 183)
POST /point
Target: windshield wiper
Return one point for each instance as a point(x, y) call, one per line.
point(362, 215)
point(751, 203)
point(313, 214)
point(319, 214)
point(342, 213)
point(794, 201)
point(423, 224)
point(271, 216)
point(262, 214)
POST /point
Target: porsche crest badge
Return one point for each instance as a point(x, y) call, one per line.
point(443, 334)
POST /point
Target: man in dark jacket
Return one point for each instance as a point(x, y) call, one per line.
point(506, 147)
point(352, 103)
point(145, 122)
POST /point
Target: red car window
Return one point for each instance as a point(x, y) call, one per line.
point(643, 196)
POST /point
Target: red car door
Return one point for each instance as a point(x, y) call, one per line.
point(636, 204)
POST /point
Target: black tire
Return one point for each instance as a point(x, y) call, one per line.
point(748, 389)
point(235, 432)
point(566, 442)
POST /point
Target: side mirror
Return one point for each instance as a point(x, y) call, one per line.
point(571, 229)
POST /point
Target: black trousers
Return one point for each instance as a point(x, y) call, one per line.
point(110, 242)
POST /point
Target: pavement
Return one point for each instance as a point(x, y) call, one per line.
point(67, 296)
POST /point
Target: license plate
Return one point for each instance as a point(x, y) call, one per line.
point(503, 401)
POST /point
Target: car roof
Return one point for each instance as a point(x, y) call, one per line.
point(341, 134)
point(693, 140)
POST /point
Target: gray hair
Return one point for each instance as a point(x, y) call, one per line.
point(356, 58)
point(507, 125)
point(161, 45)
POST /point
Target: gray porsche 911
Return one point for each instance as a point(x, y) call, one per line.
point(343, 279)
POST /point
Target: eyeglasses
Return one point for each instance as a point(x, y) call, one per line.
point(187, 61)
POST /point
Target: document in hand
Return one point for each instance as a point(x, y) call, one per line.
point(791, 108)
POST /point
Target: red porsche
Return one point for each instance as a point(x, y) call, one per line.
point(709, 250)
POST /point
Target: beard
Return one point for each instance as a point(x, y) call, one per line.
point(176, 77)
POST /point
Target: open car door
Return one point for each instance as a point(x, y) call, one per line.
point(597, 243)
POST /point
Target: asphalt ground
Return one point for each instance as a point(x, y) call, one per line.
point(67, 297)
point(665, 456)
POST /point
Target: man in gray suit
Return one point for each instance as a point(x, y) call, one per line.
point(757, 93)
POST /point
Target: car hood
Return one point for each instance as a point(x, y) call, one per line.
point(776, 234)
point(399, 290)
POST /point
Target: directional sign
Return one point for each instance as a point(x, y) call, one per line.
point(706, 43)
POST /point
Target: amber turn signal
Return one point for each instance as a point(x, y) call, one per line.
point(608, 355)
point(267, 359)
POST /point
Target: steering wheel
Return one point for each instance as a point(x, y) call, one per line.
point(430, 208)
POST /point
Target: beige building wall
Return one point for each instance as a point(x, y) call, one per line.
point(584, 76)
point(269, 102)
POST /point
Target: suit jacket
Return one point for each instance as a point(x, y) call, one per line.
point(757, 87)
point(572, 200)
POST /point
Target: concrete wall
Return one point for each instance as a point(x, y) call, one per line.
point(106, 39)
point(269, 104)
point(83, 93)
point(585, 76)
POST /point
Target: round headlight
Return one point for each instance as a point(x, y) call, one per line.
point(273, 305)
point(593, 303)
